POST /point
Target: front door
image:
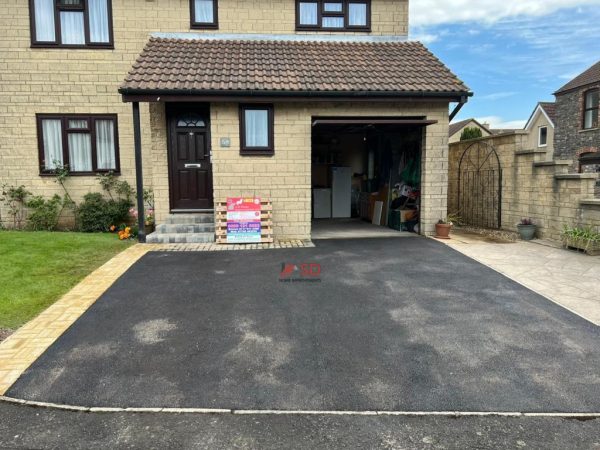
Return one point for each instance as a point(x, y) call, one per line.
point(190, 166)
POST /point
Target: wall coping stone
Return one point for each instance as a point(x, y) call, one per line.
point(530, 151)
point(557, 162)
point(576, 176)
point(590, 201)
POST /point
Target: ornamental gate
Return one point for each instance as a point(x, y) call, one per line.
point(480, 186)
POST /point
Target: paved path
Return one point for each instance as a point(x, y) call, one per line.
point(568, 278)
point(394, 324)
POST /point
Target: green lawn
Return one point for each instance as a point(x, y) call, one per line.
point(36, 269)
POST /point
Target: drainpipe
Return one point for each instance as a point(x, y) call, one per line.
point(139, 179)
point(458, 107)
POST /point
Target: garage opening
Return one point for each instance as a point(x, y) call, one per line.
point(366, 176)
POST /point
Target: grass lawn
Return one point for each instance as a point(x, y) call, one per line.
point(36, 269)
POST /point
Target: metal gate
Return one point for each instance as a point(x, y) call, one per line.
point(480, 186)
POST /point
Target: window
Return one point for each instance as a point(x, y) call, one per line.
point(71, 23)
point(256, 129)
point(591, 100)
point(543, 137)
point(204, 14)
point(340, 15)
point(86, 144)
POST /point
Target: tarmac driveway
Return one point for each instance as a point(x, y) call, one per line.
point(387, 324)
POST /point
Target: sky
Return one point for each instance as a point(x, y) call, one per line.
point(511, 53)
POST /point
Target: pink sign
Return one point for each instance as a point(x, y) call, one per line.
point(243, 220)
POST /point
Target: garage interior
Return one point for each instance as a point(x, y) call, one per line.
point(366, 175)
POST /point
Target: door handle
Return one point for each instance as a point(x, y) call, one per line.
point(193, 166)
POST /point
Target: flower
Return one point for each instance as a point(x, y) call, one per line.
point(113, 228)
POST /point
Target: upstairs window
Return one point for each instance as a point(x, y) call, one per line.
point(543, 137)
point(256, 130)
point(71, 23)
point(86, 144)
point(204, 14)
point(340, 15)
point(591, 100)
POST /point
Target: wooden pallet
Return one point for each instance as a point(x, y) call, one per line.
point(266, 219)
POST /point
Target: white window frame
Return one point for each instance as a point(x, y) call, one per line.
point(540, 136)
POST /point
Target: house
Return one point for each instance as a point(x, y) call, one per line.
point(456, 129)
point(203, 100)
point(577, 134)
point(540, 128)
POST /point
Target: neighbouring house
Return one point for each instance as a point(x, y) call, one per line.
point(208, 99)
point(540, 128)
point(456, 128)
point(577, 134)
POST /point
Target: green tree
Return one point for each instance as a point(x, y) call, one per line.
point(471, 133)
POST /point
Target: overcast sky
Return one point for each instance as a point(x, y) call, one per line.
point(511, 53)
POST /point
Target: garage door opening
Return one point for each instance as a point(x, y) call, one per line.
point(366, 176)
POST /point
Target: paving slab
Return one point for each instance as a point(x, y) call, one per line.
point(569, 278)
point(387, 324)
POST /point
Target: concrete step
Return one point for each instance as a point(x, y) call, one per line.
point(178, 228)
point(187, 219)
point(180, 238)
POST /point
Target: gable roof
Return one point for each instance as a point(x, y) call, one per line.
point(590, 76)
point(457, 126)
point(546, 108)
point(313, 68)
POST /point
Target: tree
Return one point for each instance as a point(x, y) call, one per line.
point(471, 133)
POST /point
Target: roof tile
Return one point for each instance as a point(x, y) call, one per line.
point(212, 65)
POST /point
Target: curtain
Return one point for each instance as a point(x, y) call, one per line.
point(333, 22)
point(357, 14)
point(257, 128)
point(78, 123)
point(52, 136)
point(105, 144)
point(44, 21)
point(204, 11)
point(71, 25)
point(98, 16)
point(80, 152)
point(308, 13)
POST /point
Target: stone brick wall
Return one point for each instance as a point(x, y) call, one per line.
point(570, 140)
point(86, 81)
point(534, 187)
point(285, 178)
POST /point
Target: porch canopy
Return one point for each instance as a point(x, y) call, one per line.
point(252, 69)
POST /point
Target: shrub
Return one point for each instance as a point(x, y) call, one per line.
point(96, 213)
point(44, 214)
point(15, 198)
point(471, 133)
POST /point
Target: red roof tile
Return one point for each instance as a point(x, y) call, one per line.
point(225, 66)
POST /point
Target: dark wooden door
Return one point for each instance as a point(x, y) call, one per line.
point(190, 166)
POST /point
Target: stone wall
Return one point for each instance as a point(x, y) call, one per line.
point(60, 80)
point(285, 177)
point(570, 140)
point(533, 187)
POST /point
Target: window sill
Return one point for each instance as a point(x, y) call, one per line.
point(257, 152)
point(74, 47)
point(207, 26)
point(334, 30)
point(82, 174)
point(587, 130)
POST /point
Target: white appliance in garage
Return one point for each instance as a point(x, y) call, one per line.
point(341, 192)
point(322, 203)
